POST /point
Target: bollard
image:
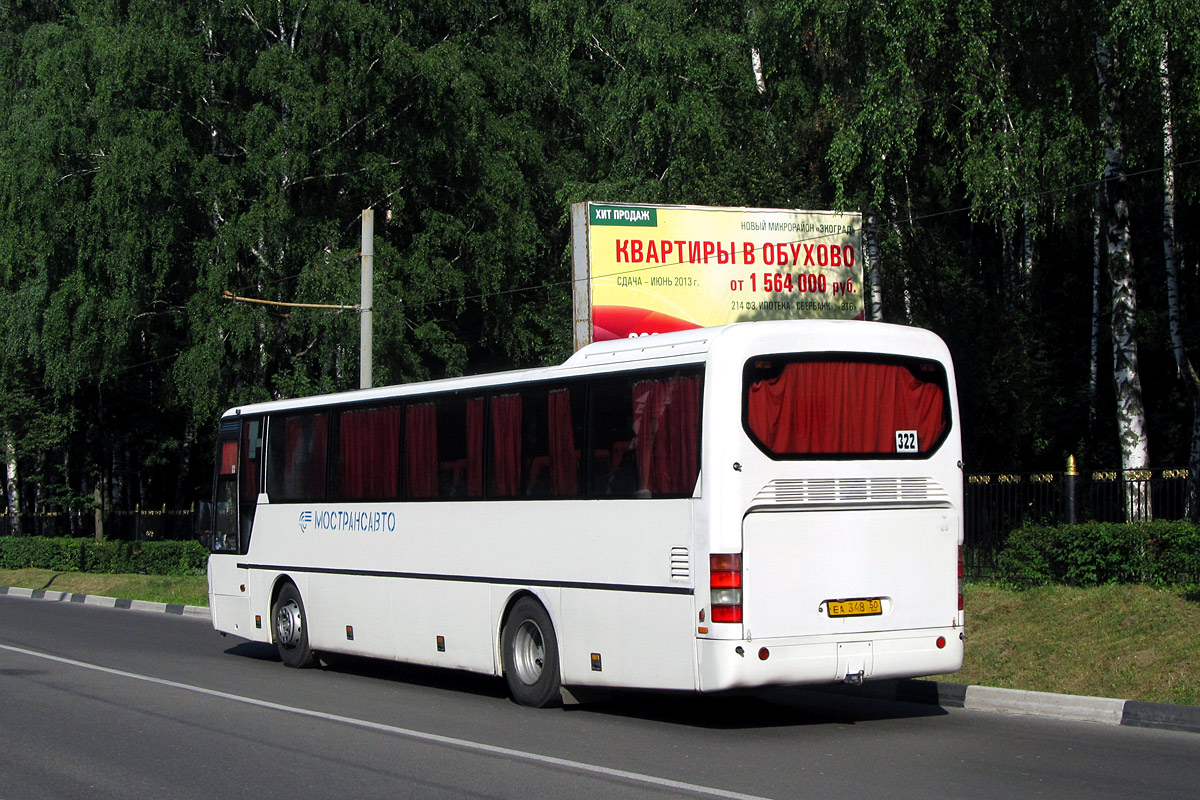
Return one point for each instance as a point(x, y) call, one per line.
point(1071, 477)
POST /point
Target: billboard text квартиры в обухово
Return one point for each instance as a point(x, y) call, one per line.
point(643, 269)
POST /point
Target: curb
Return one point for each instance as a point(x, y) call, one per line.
point(107, 602)
point(1134, 713)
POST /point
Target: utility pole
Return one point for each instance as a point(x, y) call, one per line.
point(367, 299)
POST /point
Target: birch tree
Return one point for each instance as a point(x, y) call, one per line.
point(1131, 413)
point(1183, 363)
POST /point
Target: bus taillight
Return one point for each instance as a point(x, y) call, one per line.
point(725, 582)
point(961, 574)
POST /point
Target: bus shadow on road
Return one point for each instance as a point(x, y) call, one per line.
point(772, 708)
point(254, 650)
point(384, 670)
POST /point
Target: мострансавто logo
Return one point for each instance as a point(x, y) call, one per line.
point(348, 521)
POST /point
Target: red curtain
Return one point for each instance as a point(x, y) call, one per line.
point(229, 455)
point(475, 447)
point(250, 465)
point(827, 407)
point(506, 445)
point(564, 458)
point(420, 450)
point(369, 450)
point(666, 425)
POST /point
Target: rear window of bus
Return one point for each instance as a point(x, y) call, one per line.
point(843, 405)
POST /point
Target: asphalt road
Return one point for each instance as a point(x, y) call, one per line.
point(99, 702)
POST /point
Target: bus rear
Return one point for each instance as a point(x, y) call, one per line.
point(835, 525)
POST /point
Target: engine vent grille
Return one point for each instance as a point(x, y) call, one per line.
point(680, 564)
point(840, 492)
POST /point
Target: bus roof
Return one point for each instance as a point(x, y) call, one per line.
point(665, 349)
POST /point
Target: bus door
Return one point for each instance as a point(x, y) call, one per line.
point(239, 450)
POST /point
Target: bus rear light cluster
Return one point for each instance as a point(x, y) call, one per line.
point(725, 582)
point(961, 573)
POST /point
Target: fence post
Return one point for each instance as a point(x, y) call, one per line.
point(1070, 478)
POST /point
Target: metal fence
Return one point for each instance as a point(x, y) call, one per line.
point(136, 524)
point(995, 504)
point(999, 503)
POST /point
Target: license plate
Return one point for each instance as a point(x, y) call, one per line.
point(863, 607)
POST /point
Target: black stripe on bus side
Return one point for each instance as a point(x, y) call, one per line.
point(424, 576)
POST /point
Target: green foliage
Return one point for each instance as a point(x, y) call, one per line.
point(154, 156)
point(64, 554)
point(61, 554)
point(1161, 553)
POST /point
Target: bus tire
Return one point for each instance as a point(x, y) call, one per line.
point(529, 649)
point(289, 628)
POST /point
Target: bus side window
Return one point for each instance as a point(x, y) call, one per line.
point(369, 453)
point(553, 434)
point(421, 451)
point(296, 450)
point(645, 435)
point(614, 459)
point(460, 446)
point(666, 426)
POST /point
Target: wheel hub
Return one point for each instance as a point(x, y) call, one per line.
point(529, 653)
point(288, 623)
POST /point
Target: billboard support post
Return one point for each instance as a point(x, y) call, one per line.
point(581, 286)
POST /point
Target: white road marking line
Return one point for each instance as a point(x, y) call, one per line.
point(451, 741)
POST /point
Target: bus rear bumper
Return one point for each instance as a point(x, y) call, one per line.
point(733, 664)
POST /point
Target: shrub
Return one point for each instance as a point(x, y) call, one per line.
point(86, 555)
point(1096, 553)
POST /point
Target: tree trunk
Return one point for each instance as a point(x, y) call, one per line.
point(760, 81)
point(98, 500)
point(1187, 371)
point(70, 510)
point(1131, 414)
point(1028, 251)
point(182, 479)
point(1005, 229)
point(1099, 257)
point(11, 489)
point(874, 309)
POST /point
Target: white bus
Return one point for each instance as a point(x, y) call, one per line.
point(756, 505)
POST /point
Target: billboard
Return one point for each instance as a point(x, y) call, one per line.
point(643, 269)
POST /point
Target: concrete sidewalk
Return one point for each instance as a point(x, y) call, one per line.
point(948, 695)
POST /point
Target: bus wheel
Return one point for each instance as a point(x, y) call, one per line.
point(530, 653)
point(291, 629)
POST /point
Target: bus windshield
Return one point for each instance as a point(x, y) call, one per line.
point(845, 406)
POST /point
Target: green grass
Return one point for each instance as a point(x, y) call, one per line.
point(190, 591)
point(1127, 642)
